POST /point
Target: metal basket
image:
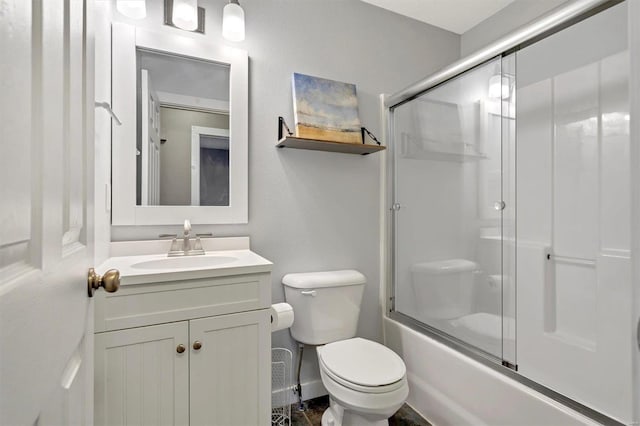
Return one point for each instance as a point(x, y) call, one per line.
point(281, 387)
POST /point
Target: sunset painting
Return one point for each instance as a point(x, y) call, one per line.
point(325, 109)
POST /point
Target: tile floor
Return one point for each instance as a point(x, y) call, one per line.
point(315, 407)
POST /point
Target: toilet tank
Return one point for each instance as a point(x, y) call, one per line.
point(326, 305)
point(444, 288)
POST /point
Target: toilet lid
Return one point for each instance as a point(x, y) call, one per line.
point(363, 362)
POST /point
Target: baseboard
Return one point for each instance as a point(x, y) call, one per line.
point(313, 389)
point(310, 390)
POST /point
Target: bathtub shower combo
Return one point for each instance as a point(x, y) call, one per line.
point(511, 226)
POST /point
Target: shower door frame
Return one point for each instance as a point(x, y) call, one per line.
point(551, 23)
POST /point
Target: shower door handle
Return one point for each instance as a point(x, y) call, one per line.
point(638, 334)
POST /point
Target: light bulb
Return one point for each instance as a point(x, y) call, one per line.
point(185, 14)
point(497, 86)
point(233, 22)
point(134, 9)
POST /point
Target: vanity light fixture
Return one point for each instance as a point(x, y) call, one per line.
point(184, 14)
point(233, 21)
point(134, 9)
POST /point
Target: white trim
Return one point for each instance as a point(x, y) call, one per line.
point(313, 389)
point(196, 132)
point(168, 99)
point(125, 211)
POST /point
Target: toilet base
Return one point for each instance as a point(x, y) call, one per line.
point(336, 415)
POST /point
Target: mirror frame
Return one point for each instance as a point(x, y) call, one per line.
point(125, 211)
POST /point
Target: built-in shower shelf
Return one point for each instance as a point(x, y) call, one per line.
point(425, 149)
point(444, 156)
point(290, 141)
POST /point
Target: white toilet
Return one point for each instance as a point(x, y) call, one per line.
point(366, 381)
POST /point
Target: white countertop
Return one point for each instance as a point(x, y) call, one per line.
point(223, 263)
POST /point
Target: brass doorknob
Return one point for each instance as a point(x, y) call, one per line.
point(197, 345)
point(110, 281)
point(180, 349)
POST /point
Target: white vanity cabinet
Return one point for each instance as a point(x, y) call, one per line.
point(189, 352)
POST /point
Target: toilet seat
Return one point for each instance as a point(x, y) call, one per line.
point(363, 365)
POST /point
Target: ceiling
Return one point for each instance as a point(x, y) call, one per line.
point(457, 16)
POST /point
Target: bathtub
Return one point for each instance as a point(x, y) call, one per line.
point(449, 388)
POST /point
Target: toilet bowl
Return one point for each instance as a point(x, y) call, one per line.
point(366, 381)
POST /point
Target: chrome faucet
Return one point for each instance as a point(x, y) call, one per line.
point(188, 247)
point(186, 237)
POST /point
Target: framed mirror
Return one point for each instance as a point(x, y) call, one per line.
point(181, 151)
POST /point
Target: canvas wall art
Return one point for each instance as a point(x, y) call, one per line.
point(325, 109)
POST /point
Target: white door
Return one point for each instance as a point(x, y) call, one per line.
point(150, 172)
point(46, 188)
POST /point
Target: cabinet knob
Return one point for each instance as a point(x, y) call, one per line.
point(180, 348)
point(197, 345)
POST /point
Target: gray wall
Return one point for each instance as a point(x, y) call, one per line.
point(503, 22)
point(308, 210)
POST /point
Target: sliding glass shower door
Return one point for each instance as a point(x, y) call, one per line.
point(457, 156)
point(575, 309)
point(453, 258)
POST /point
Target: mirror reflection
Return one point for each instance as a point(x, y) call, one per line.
point(183, 131)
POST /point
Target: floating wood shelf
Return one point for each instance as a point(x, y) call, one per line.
point(316, 145)
point(290, 141)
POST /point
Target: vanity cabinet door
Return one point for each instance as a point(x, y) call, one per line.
point(141, 378)
point(230, 374)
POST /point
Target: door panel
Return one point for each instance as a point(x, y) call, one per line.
point(46, 215)
point(230, 374)
point(140, 377)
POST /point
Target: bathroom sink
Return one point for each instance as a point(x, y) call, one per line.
point(156, 268)
point(187, 262)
